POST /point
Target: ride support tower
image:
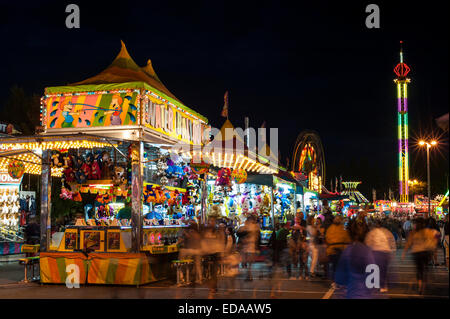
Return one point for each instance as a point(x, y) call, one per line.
point(401, 70)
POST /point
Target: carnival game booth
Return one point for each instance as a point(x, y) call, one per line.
point(335, 200)
point(310, 201)
point(238, 180)
point(116, 129)
point(421, 204)
point(226, 163)
point(12, 219)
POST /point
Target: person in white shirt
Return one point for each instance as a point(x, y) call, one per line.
point(313, 247)
point(407, 227)
point(383, 245)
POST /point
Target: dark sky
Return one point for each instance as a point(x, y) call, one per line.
point(309, 65)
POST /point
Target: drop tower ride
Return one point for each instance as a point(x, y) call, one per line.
point(401, 70)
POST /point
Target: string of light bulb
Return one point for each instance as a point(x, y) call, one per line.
point(31, 162)
point(230, 160)
point(55, 145)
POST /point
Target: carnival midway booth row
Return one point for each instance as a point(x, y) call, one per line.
point(137, 163)
point(239, 179)
point(106, 140)
point(243, 181)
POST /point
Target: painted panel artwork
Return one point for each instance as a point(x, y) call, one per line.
point(90, 110)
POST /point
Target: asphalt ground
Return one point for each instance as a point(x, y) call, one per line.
point(402, 284)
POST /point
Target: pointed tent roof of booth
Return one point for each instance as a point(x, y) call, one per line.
point(265, 150)
point(125, 73)
point(227, 133)
point(124, 69)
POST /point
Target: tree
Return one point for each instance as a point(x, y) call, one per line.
point(22, 110)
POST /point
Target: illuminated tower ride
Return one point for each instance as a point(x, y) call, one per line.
point(401, 70)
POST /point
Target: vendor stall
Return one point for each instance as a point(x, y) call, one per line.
point(106, 140)
point(240, 181)
point(12, 219)
point(311, 201)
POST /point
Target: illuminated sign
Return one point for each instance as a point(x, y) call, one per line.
point(121, 107)
point(421, 202)
point(6, 128)
point(170, 120)
point(5, 178)
point(91, 109)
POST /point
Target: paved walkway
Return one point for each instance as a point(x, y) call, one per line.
point(402, 285)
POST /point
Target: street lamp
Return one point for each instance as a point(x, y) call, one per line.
point(412, 184)
point(429, 145)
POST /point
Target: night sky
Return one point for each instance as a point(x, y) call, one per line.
point(314, 66)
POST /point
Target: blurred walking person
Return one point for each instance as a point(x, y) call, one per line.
point(382, 243)
point(190, 243)
point(249, 239)
point(322, 247)
point(313, 242)
point(212, 243)
point(327, 213)
point(407, 227)
point(422, 242)
point(282, 257)
point(298, 252)
point(431, 224)
point(274, 252)
point(446, 243)
point(337, 238)
point(352, 268)
point(32, 232)
point(230, 259)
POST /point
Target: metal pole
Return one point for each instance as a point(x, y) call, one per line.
point(272, 210)
point(46, 194)
point(303, 202)
point(204, 190)
point(428, 177)
point(295, 201)
point(137, 154)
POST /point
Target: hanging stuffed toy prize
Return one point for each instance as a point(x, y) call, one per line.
point(239, 175)
point(16, 169)
point(199, 168)
point(223, 179)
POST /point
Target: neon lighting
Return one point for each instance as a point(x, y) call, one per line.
point(235, 162)
point(401, 70)
point(353, 193)
point(242, 163)
point(443, 199)
point(246, 165)
point(308, 165)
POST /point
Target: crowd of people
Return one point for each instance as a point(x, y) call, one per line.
point(334, 248)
